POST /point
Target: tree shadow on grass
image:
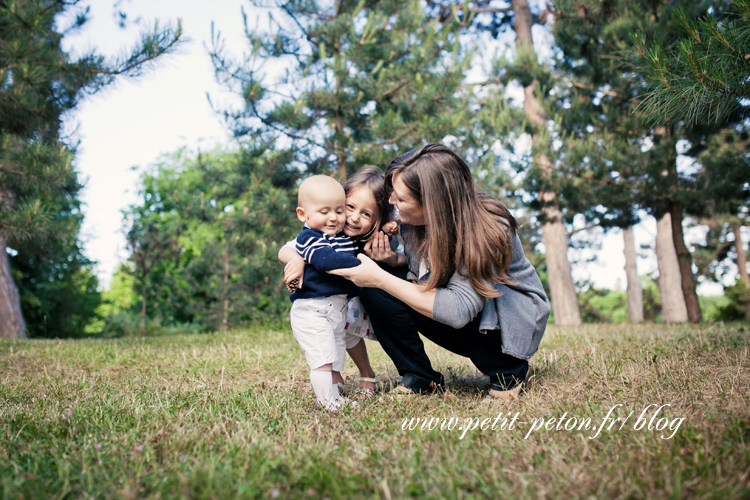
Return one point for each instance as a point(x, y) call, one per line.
point(469, 381)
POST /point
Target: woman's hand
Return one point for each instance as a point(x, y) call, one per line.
point(367, 274)
point(379, 248)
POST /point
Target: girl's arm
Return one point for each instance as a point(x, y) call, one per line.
point(295, 265)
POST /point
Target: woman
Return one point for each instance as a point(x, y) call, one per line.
point(467, 285)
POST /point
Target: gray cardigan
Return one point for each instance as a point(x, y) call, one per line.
point(519, 315)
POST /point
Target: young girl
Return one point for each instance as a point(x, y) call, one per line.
point(367, 210)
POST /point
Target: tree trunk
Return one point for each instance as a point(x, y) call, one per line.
point(341, 164)
point(686, 264)
point(143, 305)
point(225, 318)
point(664, 139)
point(562, 289)
point(742, 265)
point(670, 283)
point(342, 168)
point(634, 290)
point(12, 324)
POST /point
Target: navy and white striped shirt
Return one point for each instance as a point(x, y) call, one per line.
point(325, 253)
point(311, 240)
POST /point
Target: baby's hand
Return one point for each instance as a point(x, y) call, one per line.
point(293, 273)
point(390, 228)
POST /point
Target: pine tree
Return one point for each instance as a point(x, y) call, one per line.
point(532, 76)
point(702, 76)
point(588, 157)
point(600, 93)
point(39, 82)
point(349, 83)
point(56, 283)
point(564, 300)
point(701, 79)
point(720, 197)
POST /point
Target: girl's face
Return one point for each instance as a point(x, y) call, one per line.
point(409, 209)
point(361, 212)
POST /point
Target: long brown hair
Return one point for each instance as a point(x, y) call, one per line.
point(372, 178)
point(464, 230)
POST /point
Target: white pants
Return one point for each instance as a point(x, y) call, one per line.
point(318, 326)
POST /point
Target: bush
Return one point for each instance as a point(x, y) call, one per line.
point(600, 305)
point(129, 325)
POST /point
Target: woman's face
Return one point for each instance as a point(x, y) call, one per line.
point(361, 212)
point(409, 210)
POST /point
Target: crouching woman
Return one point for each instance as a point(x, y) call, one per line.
point(467, 286)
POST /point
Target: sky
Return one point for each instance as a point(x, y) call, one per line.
point(132, 124)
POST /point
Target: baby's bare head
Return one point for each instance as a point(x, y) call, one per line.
point(320, 189)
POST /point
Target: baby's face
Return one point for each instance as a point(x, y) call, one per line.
point(326, 213)
point(361, 212)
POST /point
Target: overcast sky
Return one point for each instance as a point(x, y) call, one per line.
point(133, 123)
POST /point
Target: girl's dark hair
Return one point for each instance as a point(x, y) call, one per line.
point(464, 230)
point(372, 178)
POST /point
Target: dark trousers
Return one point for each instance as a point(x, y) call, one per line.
point(397, 327)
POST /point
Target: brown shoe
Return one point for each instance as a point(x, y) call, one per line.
point(507, 395)
point(403, 391)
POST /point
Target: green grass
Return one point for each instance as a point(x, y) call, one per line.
point(233, 416)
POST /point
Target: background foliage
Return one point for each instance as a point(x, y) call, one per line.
point(330, 87)
point(39, 209)
point(204, 239)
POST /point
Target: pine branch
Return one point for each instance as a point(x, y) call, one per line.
point(723, 248)
point(703, 78)
point(287, 133)
point(290, 13)
point(31, 177)
point(578, 85)
point(478, 10)
point(491, 81)
point(397, 138)
point(580, 229)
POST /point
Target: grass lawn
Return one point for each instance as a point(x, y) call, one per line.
point(233, 416)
